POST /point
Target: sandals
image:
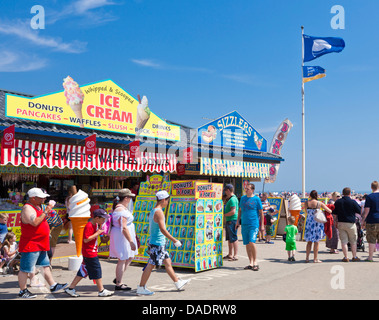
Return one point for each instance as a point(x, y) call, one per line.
point(121, 286)
point(250, 267)
point(233, 259)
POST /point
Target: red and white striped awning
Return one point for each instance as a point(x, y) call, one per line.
point(52, 155)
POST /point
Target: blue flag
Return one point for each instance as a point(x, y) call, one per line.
point(313, 73)
point(315, 47)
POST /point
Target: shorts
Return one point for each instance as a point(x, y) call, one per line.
point(230, 231)
point(269, 231)
point(157, 255)
point(249, 233)
point(290, 245)
point(348, 232)
point(54, 233)
point(90, 267)
point(31, 259)
point(372, 235)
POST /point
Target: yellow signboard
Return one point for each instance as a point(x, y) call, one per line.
point(208, 190)
point(99, 106)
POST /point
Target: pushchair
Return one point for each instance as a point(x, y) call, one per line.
point(360, 235)
point(12, 266)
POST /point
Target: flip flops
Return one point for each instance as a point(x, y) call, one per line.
point(250, 267)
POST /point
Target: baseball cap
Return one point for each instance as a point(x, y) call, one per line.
point(100, 213)
point(37, 192)
point(125, 193)
point(162, 195)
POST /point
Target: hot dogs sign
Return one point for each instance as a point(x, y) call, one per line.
point(99, 106)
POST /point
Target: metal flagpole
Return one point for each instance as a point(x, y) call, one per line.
point(303, 112)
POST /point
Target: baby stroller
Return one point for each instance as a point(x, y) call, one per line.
point(361, 235)
point(12, 266)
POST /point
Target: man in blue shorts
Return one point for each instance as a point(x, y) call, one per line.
point(231, 214)
point(250, 216)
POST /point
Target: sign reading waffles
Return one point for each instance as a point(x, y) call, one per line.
point(99, 106)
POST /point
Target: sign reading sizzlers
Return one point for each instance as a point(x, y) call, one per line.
point(52, 155)
point(99, 106)
point(232, 131)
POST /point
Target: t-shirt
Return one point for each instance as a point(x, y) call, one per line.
point(268, 218)
point(372, 202)
point(3, 231)
point(232, 202)
point(89, 249)
point(291, 232)
point(265, 206)
point(345, 209)
point(250, 207)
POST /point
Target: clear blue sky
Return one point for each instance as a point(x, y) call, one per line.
point(197, 58)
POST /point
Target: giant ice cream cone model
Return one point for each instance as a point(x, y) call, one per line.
point(74, 97)
point(143, 114)
point(295, 207)
point(79, 213)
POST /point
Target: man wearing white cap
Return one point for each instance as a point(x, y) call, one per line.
point(35, 242)
point(157, 242)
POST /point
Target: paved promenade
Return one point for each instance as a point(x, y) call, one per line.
point(276, 279)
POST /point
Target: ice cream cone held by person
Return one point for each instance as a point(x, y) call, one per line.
point(74, 98)
point(79, 213)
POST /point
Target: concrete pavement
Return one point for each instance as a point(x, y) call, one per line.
point(276, 279)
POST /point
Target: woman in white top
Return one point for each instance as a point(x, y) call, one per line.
point(123, 242)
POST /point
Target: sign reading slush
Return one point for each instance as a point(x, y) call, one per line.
point(99, 106)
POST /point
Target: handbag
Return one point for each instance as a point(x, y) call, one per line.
point(319, 216)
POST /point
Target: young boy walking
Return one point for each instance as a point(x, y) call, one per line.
point(91, 265)
point(291, 231)
point(158, 253)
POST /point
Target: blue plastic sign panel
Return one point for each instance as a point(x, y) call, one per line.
point(232, 131)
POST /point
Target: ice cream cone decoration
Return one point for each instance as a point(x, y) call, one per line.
point(78, 225)
point(74, 97)
point(143, 114)
point(295, 207)
point(79, 213)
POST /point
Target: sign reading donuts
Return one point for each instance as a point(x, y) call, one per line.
point(208, 190)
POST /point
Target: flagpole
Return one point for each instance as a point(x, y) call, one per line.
point(303, 113)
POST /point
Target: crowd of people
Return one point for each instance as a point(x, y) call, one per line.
point(40, 227)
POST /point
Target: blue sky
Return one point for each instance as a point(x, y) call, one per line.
point(202, 59)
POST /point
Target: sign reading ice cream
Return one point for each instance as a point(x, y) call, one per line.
point(99, 106)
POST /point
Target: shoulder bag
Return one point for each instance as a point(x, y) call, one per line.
point(318, 215)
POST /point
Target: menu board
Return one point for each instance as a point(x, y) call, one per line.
point(155, 183)
point(208, 226)
point(181, 219)
point(277, 205)
point(194, 216)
